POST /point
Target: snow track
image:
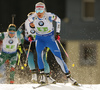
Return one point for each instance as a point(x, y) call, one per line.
point(58, 86)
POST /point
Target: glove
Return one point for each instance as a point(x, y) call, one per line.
point(57, 37)
point(30, 38)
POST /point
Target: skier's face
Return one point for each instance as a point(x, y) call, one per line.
point(40, 13)
point(11, 33)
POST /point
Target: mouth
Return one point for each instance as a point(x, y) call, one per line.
point(39, 15)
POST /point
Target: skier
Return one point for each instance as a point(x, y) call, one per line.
point(2, 68)
point(30, 37)
point(43, 23)
point(9, 49)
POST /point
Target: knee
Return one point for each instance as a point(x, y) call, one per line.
point(12, 69)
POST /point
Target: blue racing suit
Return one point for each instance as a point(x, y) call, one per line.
point(45, 38)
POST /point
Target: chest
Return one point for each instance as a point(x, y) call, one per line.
point(42, 22)
point(10, 41)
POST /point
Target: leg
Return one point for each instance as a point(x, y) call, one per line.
point(31, 65)
point(46, 65)
point(3, 74)
point(56, 51)
point(3, 58)
point(13, 60)
point(39, 48)
point(31, 62)
point(40, 59)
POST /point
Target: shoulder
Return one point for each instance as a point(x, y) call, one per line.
point(50, 14)
point(32, 16)
point(5, 33)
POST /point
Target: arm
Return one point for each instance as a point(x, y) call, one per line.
point(2, 36)
point(21, 30)
point(21, 39)
point(58, 22)
point(30, 30)
point(20, 44)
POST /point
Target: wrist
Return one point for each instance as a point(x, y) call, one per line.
point(57, 33)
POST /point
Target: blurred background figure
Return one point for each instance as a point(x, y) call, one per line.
point(2, 69)
point(0, 46)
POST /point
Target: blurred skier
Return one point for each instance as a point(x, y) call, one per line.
point(43, 23)
point(30, 37)
point(9, 49)
point(2, 68)
point(0, 46)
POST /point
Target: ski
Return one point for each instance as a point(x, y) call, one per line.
point(41, 85)
point(75, 84)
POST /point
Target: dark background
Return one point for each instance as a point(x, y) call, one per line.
point(22, 7)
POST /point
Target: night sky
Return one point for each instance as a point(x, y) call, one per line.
point(22, 7)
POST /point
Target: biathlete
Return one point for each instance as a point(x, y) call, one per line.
point(43, 23)
point(29, 36)
point(9, 49)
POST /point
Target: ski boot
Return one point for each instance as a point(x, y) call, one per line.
point(34, 76)
point(71, 80)
point(42, 78)
point(50, 79)
point(12, 82)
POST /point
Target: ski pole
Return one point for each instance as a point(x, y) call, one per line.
point(65, 52)
point(13, 16)
point(63, 49)
point(28, 54)
point(19, 55)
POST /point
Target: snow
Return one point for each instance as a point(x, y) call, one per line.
point(58, 86)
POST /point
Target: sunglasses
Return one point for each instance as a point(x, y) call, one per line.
point(41, 11)
point(12, 32)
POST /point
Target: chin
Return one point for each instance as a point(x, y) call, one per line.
point(39, 16)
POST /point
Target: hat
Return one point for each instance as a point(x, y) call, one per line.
point(40, 6)
point(12, 27)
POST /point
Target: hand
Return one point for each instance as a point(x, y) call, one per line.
point(57, 37)
point(32, 25)
point(30, 38)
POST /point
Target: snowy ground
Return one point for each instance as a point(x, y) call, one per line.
point(58, 86)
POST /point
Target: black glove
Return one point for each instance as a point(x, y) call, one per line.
point(30, 38)
point(57, 37)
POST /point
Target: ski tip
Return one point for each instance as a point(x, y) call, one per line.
point(77, 84)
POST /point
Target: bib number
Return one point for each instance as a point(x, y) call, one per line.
point(42, 29)
point(10, 46)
